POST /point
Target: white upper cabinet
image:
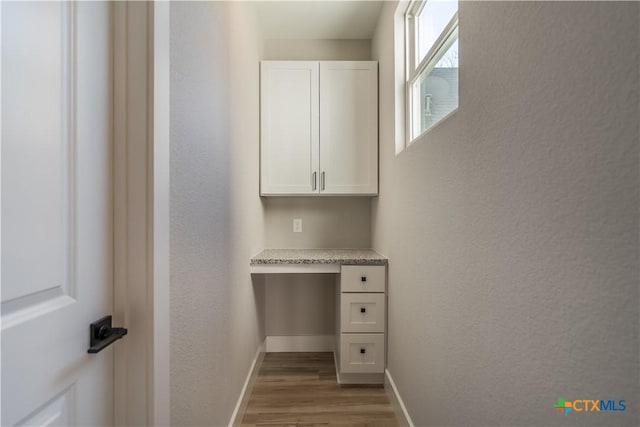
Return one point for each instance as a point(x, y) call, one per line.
point(349, 127)
point(289, 104)
point(319, 128)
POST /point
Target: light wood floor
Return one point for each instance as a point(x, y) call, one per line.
point(300, 389)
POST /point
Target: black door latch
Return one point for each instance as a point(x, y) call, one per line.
point(102, 334)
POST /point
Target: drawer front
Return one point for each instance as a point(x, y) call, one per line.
point(362, 312)
point(357, 278)
point(362, 353)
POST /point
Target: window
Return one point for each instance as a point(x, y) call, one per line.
point(432, 62)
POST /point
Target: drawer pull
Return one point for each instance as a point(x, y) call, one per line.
point(363, 350)
point(363, 309)
point(363, 278)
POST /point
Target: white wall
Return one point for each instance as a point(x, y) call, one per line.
point(299, 304)
point(512, 228)
point(318, 49)
point(327, 222)
point(216, 215)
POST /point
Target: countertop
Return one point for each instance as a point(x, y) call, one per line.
point(319, 256)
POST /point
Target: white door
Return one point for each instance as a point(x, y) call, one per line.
point(349, 127)
point(289, 127)
point(56, 212)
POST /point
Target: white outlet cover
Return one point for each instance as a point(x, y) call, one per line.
point(297, 225)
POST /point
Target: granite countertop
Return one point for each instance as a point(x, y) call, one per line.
point(319, 256)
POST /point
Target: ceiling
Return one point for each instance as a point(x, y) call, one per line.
point(318, 19)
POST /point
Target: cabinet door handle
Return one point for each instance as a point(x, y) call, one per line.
point(363, 309)
point(314, 180)
point(363, 350)
point(322, 179)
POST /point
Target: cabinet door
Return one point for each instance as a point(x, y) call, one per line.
point(349, 127)
point(289, 153)
point(364, 313)
point(362, 353)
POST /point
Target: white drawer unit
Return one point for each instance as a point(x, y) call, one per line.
point(362, 353)
point(361, 324)
point(362, 278)
point(362, 312)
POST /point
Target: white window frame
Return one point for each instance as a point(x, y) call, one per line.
point(413, 72)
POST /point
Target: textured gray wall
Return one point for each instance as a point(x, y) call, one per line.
point(217, 218)
point(512, 227)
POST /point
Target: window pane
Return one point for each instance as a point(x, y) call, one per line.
point(435, 15)
point(438, 90)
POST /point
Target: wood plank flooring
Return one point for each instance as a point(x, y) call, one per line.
point(300, 389)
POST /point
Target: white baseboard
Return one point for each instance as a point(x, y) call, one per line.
point(300, 343)
point(396, 401)
point(245, 393)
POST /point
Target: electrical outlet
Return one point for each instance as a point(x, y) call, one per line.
point(297, 225)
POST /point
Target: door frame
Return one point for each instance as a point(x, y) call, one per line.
point(141, 211)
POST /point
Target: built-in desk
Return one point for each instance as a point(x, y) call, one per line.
point(312, 260)
point(359, 342)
